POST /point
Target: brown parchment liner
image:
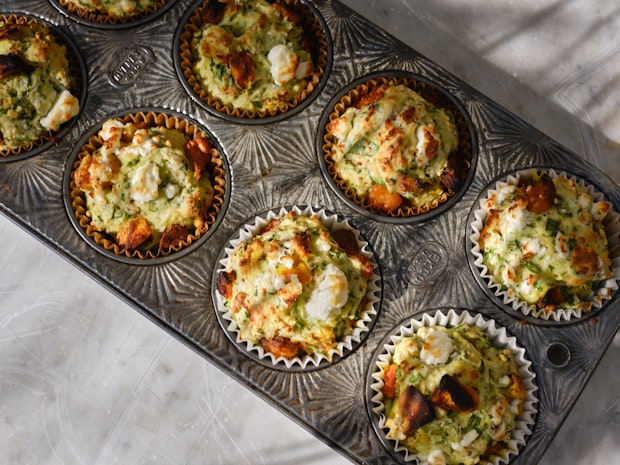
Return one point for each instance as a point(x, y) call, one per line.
point(310, 25)
point(96, 15)
point(215, 168)
point(76, 83)
point(434, 96)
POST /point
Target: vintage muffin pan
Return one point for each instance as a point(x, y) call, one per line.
point(275, 163)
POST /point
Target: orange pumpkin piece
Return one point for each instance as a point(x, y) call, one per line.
point(389, 382)
point(380, 198)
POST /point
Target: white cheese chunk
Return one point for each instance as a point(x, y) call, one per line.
point(284, 63)
point(171, 190)
point(469, 438)
point(436, 458)
point(515, 220)
point(65, 107)
point(425, 134)
point(145, 183)
point(437, 347)
point(303, 70)
point(330, 295)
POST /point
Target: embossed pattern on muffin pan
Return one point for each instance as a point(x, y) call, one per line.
point(423, 266)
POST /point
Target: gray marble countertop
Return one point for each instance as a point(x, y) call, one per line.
point(85, 379)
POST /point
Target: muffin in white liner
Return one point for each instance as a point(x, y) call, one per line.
point(348, 341)
point(601, 291)
point(451, 318)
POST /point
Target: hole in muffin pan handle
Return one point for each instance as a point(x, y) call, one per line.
point(558, 354)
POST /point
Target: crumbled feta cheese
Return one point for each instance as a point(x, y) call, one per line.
point(584, 200)
point(128, 6)
point(171, 190)
point(504, 381)
point(503, 193)
point(145, 183)
point(322, 245)
point(330, 295)
point(599, 210)
point(287, 261)
point(284, 63)
point(303, 70)
point(403, 350)
point(469, 438)
point(437, 347)
point(531, 246)
point(561, 245)
point(425, 134)
point(527, 288)
point(436, 458)
point(508, 275)
point(65, 107)
point(514, 221)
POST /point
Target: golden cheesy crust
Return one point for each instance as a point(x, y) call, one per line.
point(35, 84)
point(293, 289)
point(544, 242)
point(395, 150)
point(147, 186)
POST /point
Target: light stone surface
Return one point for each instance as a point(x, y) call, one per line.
point(85, 379)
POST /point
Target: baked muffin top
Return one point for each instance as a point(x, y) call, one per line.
point(253, 55)
point(395, 151)
point(147, 186)
point(544, 242)
point(35, 84)
point(296, 288)
point(450, 395)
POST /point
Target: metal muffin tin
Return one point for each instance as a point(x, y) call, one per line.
point(424, 266)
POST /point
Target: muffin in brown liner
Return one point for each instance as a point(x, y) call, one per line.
point(101, 15)
point(462, 159)
point(77, 85)
point(215, 168)
point(314, 35)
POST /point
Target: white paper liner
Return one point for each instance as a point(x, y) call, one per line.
point(499, 338)
point(598, 296)
point(367, 314)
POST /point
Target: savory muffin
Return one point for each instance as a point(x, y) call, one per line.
point(543, 241)
point(450, 395)
point(112, 11)
point(253, 58)
point(393, 151)
point(147, 185)
point(36, 84)
point(296, 288)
